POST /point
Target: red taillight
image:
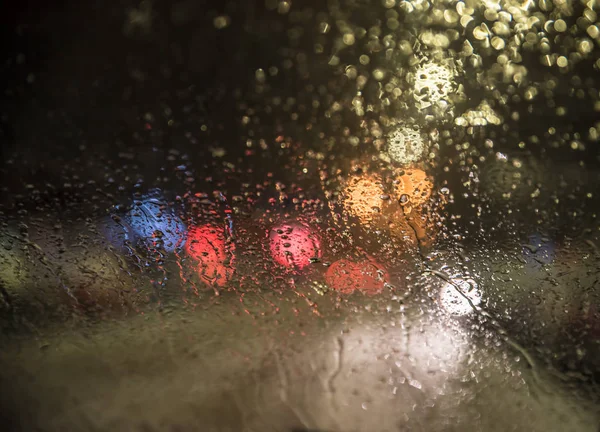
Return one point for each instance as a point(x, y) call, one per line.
point(347, 276)
point(214, 255)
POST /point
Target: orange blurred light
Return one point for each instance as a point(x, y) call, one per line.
point(413, 188)
point(362, 197)
point(401, 229)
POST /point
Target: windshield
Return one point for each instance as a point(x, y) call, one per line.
point(276, 215)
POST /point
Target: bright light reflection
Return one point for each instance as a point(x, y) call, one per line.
point(434, 82)
point(460, 303)
point(405, 145)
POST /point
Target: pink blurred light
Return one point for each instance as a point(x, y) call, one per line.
point(293, 245)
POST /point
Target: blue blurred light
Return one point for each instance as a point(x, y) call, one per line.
point(152, 222)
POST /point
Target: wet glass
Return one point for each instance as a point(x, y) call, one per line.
point(276, 215)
